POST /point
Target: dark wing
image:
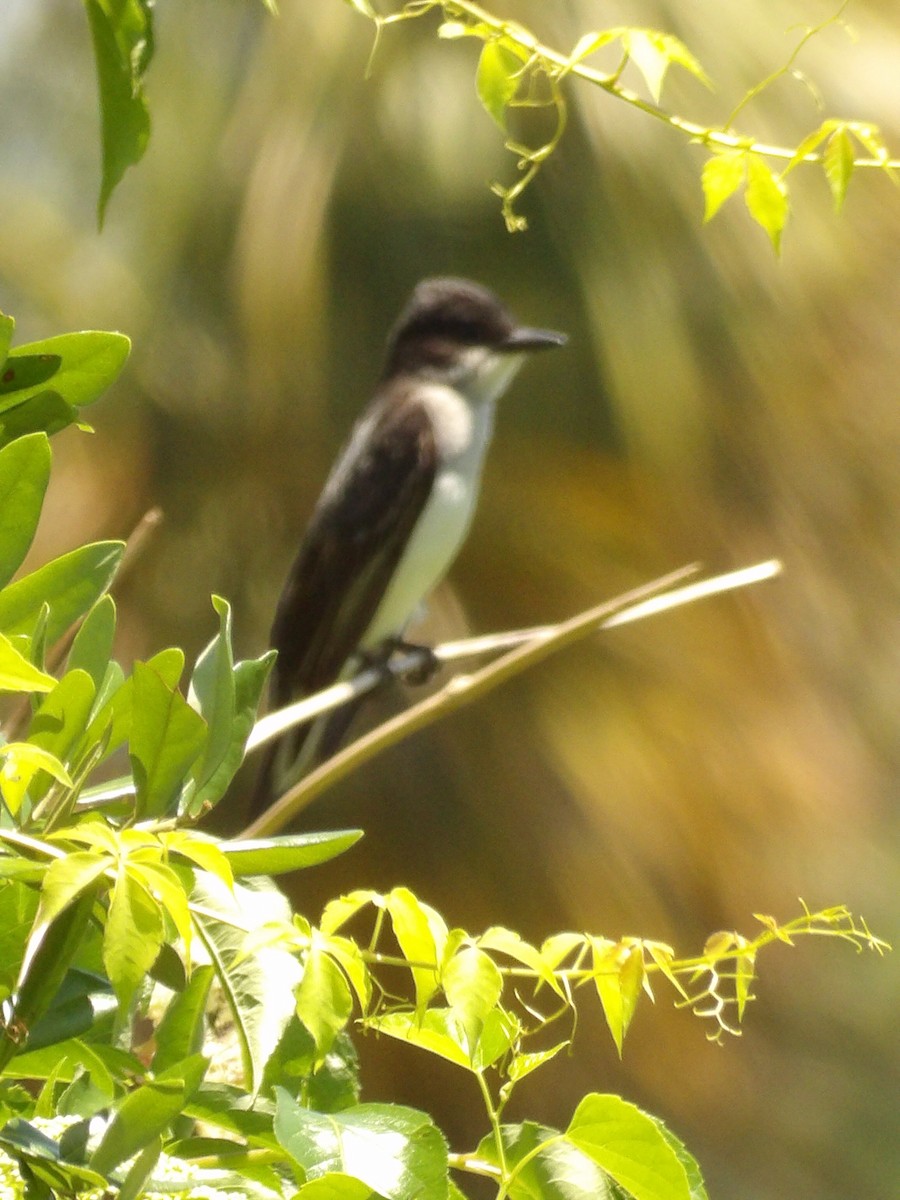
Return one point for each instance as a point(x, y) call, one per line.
point(357, 534)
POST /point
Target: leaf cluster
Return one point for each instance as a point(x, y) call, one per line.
point(517, 71)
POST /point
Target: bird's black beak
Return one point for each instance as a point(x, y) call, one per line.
point(526, 338)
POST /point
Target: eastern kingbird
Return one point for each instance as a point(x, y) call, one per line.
point(397, 504)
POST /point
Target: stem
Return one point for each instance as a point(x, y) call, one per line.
point(637, 604)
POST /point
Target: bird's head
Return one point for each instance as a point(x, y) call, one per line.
point(460, 334)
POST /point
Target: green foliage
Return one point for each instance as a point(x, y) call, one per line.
point(118, 915)
point(516, 72)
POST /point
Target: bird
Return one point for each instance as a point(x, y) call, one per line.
point(396, 506)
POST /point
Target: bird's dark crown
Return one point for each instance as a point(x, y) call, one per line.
point(445, 316)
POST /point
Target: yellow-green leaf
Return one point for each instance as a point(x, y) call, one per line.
point(422, 935)
point(324, 1003)
point(497, 80)
point(618, 977)
point(21, 761)
point(767, 199)
point(838, 163)
point(17, 674)
point(722, 175)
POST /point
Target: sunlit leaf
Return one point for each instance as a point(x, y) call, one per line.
point(258, 989)
point(287, 852)
point(148, 1111)
point(422, 934)
point(398, 1152)
point(134, 933)
point(7, 328)
point(653, 52)
point(68, 586)
point(497, 80)
point(838, 163)
point(721, 177)
point(629, 1146)
point(89, 361)
point(182, 1029)
point(19, 763)
point(58, 725)
point(324, 1004)
point(92, 645)
point(46, 413)
point(473, 986)
point(508, 942)
point(167, 735)
point(227, 696)
point(337, 912)
point(17, 674)
point(438, 1030)
point(767, 198)
point(24, 472)
point(618, 976)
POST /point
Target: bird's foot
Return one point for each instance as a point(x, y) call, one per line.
point(425, 663)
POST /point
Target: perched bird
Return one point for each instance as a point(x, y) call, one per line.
point(396, 507)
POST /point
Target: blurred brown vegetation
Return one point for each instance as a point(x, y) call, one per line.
point(715, 404)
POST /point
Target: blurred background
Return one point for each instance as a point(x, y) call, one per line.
point(714, 404)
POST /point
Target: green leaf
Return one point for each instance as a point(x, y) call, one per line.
point(545, 1166)
point(508, 942)
point(629, 1146)
point(721, 177)
point(24, 375)
point(40, 1158)
point(18, 905)
point(65, 880)
point(114, 715)
point(51, 948)
point(258, 988)
point(92, 647)
point(290, 852)
point(398, 1152)
point(335, 1185)
point(89, 361)
point(324, 1004)
point(181, 1031)
point(24, 472)
point(17, 674)
point(422, 935)
point(473, 986)
point(45, 413)
point(497, 80)
point(810, 144)
point(68, 586)
point(59, 724)
point(133, 936)
point(524, 1064)
point(653, 52)
point(438, 1030)
point(590, 43)
point(21, 761)
point(839, 164)
point(82, 1001)
point(7, 328)
point(122, 34)
point(228, 697)
point(147, 1112)
point(167, 735)
point(767, 199)
point(618, 978)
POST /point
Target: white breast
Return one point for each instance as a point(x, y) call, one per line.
point(462, 433)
